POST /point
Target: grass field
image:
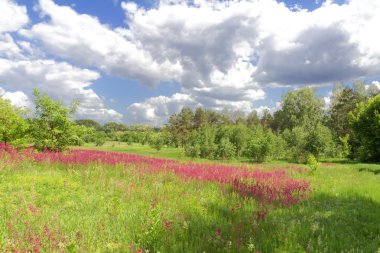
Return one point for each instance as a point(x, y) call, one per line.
point(138, 149)
point(93, 207)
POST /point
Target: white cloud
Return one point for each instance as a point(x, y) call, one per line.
point(156, 110)
point(9, 48)
point(327, 101)
point(23, 66)
point(84, 40)
point(62, 81)
point(18, 98)
point(223, 53)
point(12, 16)
point(231, 50)
point(377, 83)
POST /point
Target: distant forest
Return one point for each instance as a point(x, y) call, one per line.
point(300, 130)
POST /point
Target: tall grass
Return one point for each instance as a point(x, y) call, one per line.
point(64, 204)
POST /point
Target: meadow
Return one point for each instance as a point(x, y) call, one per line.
point(102, 201)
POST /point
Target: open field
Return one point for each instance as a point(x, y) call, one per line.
point(90, 201)
point(138, 149)
point(165, 152)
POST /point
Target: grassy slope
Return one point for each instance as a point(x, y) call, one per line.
point(104, 209)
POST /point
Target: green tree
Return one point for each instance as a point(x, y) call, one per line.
point(253, 119)
point(110, 127)
point(261, 146)
point(299, 108)
point(302, 141)
point(343, 101)
point(81, 134)
point(99, 138)
point(365, 123)
point(51, 126)
point(156, 141)
point(88, 123)
point(200, 118)
point(202, 143)
point(226, 149)
point(267, 119)
point(180, 126)
point(239, 137)
point(12, 125)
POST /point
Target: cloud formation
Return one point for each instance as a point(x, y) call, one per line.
point(223, 54)
point(12, 17)
point(18, 98)
point(23, 66)
point(61, 81)
point(230, 51)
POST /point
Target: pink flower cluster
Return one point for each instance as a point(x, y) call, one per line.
point(32, 239)
point(269, 187)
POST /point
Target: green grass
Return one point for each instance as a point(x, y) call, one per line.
point(166, 152)
point(106, 209)
point(138, 149)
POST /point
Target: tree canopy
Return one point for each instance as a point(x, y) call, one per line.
point(12, 125)
point(51, 125)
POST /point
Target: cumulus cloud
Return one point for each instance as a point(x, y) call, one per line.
point(17, 98)
point(232, 50)
point(156, 110)
point(84, 40)
point(24, 66)
point(12, 16)
point(60, 80)
point(377, 83)
point(222, 53)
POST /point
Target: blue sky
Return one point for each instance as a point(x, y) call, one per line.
point(139, 62)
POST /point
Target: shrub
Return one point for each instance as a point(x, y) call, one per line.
point(312, 162)
point(226, 150)
point(365, 123)
point(156, 142)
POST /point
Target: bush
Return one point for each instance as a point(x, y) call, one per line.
point(302, 141)
point(156, 142)
point(313, 163)
point(100, 138)
point(226, 150)
point(201, 143)
point(261, 147)
point(365, 123)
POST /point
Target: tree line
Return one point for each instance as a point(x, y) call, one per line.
point(301, 129)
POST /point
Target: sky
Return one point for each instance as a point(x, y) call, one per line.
point(138, 62)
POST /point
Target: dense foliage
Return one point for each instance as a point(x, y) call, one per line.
point(365, 123)
point(300, 128)
point(51, 127)
point(12, 125)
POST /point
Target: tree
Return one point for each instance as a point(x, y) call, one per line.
point(88, 123)
point(226, 150)
point(200, 118)
point(261, 146)
point(156, 141)
point(110, 127)
point(253, 119)
point(51, 125)
point(12, 125)
point(302, 141)
point(299, 108)
point(239, 137)
point(365, 123)
point(344, 100)
point(180, 125)
point(202, 143)
point(267, 119)
point(81, 134)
